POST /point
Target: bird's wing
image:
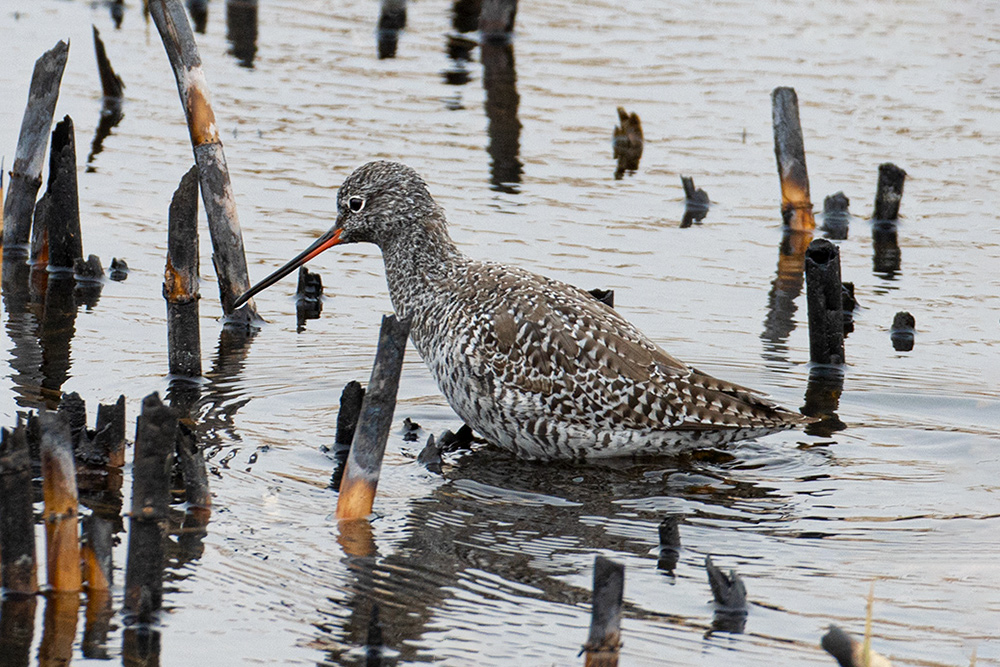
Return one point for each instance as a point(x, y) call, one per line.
point(583, 360)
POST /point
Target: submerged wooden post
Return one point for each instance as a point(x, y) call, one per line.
point(26, 175)
point(180, 280)
point(109, 433)
point(18, 560)
point(824, 297)
point(62, 533)
point(789, 149)
point(364, 461)
point(604, 639)
point(155, 440)
point(216, 189)
point(889, 193)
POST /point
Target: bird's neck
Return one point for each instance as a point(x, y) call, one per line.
point(418, 265)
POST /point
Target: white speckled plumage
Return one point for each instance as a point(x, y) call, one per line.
point(536, 366)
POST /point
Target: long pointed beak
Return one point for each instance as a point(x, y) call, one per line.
point(328, 240)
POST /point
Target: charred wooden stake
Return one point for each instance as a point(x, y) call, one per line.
point(62, 534)
point(18, 562)
point(65, 243)
point(308, 298)
point(347, 421)
point(796, 207)
point(180, 280)
point(216, 189)
point(74, 410)
point(890, 192)
point(670, 543)
point(364, 461)
point(730, 596)
point(110, 431)
point(824, 297)
point(606, 614)
point(155, 440)
point(26, 175)
point(241, 30)
point(605, 296)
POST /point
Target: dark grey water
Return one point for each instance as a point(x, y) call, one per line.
point(491, 562)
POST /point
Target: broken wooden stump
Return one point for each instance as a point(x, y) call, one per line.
point(605, 296)
point(18, 560)
point(670, 542)
point(824, 297)
point(903, 331)
point(789, 149)
point(308, 297)
point(730, 595)
point(347, 420)
point(836, 218)
point(391, 21)
point(26, 174)
point(364, 461)
point(63, 216)
point(181, 280)
point(155, 442)
point(62, 533)
point(604, 639)
point(889, 193)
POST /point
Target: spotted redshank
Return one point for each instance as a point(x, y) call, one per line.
point(536, 366)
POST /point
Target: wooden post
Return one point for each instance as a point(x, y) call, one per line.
point(110, 432)
point(836, 218)
point(796, 207)
point(903, 331)
point(155, 440)
point(65, 244)
point(216, 189)
point(670, 542)
point(351, 399)
point(889, 193)
point(391, 20)
point(18, 562)
point(496, 19)
point(241, 30)
point(627, 142)
point(62, 534)
point(357, 488)
point(824, 297)
point(604, 639)
point(26, 175)
point(180, 280)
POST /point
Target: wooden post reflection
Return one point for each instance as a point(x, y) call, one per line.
point(59, 629)
point(502, 100)
point(787, 286)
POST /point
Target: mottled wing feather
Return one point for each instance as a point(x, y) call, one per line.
point(564, 346)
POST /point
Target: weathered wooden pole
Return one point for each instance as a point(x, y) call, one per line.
point(364, 461)
point(824, 297)
point(26, 175)
point(180, 280)
point(496, 19)
point(18, 560)
point(670, 542)
point(216, 189)
point(627, 142)
point(62, 532)
point(789, 149)
point(391, 21)
point(836, 218)
point(155, 441)
point(903, 331)
point(604, 639)
point(889, 193)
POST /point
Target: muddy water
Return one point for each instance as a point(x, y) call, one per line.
point(491, 562)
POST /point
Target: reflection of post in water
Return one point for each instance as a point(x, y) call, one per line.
point(111, 109)
point(787, 285)
point(885, 242)
point(502, 100)
point(241, 30)
point(391, 21)
point(826, 384)
point(604, 639)
point(199, 14)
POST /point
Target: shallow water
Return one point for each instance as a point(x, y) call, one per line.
point(491, 561)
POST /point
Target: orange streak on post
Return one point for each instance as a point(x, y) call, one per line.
point(61, 529)
point(796, 205)
point(93, 573)
point(201, 118)
point(177, 286)
point(357, 495)
point(792, 258)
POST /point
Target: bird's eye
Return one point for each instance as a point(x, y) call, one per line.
point(356, 203)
